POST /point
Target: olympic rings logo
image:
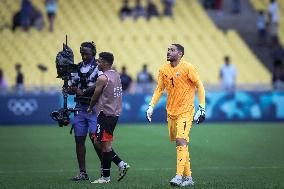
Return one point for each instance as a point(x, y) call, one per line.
point(22, 106)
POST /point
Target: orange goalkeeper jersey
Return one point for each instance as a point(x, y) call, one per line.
point(180, 83)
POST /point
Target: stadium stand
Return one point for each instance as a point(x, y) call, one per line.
point(132, 42)
point(262, 5)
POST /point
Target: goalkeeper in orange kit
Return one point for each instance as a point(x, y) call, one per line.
point(180, 79)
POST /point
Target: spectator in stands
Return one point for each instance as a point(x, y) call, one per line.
point(276, 52)
point(228, 75)
point(126, 80)
point(51, 8)
point(26, 12)
point(208, 4)
point(3, 82)
point(19, 87)
point(218, 5)
point(125, 10)
point(138, 10)
point(278, 75)
point(273, 20)
point(261, 26)
point(236, 6)
point(28, 16)
point(16, 21)
point(144, 76)
point(168, 7)
point(37, 19)
point(151, 9)
point(144, 81)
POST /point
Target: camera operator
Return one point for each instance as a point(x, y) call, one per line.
point(83, 85)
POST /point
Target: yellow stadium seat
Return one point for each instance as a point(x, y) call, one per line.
point(132, 42)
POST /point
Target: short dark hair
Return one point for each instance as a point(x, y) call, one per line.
point(180, 48)
point(18, 66)
point(227, 58)
point(260, 11)
point(107, 56)
point(90, 45)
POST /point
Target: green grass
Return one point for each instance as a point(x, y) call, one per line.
point(245, 155)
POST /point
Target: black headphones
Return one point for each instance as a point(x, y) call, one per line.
point(93, 47)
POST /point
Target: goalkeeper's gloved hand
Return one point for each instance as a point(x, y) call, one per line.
point(149, 113)
point(200, 115)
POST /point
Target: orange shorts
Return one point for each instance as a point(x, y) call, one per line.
point(179, 126)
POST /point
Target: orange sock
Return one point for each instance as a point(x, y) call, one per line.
point(187, 170)
point(182, 152)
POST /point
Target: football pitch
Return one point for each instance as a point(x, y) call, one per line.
point(241, 155)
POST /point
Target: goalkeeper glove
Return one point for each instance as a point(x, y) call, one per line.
point(149, 113)
point(200, 115)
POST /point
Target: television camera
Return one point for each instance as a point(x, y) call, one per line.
point(65, 67)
